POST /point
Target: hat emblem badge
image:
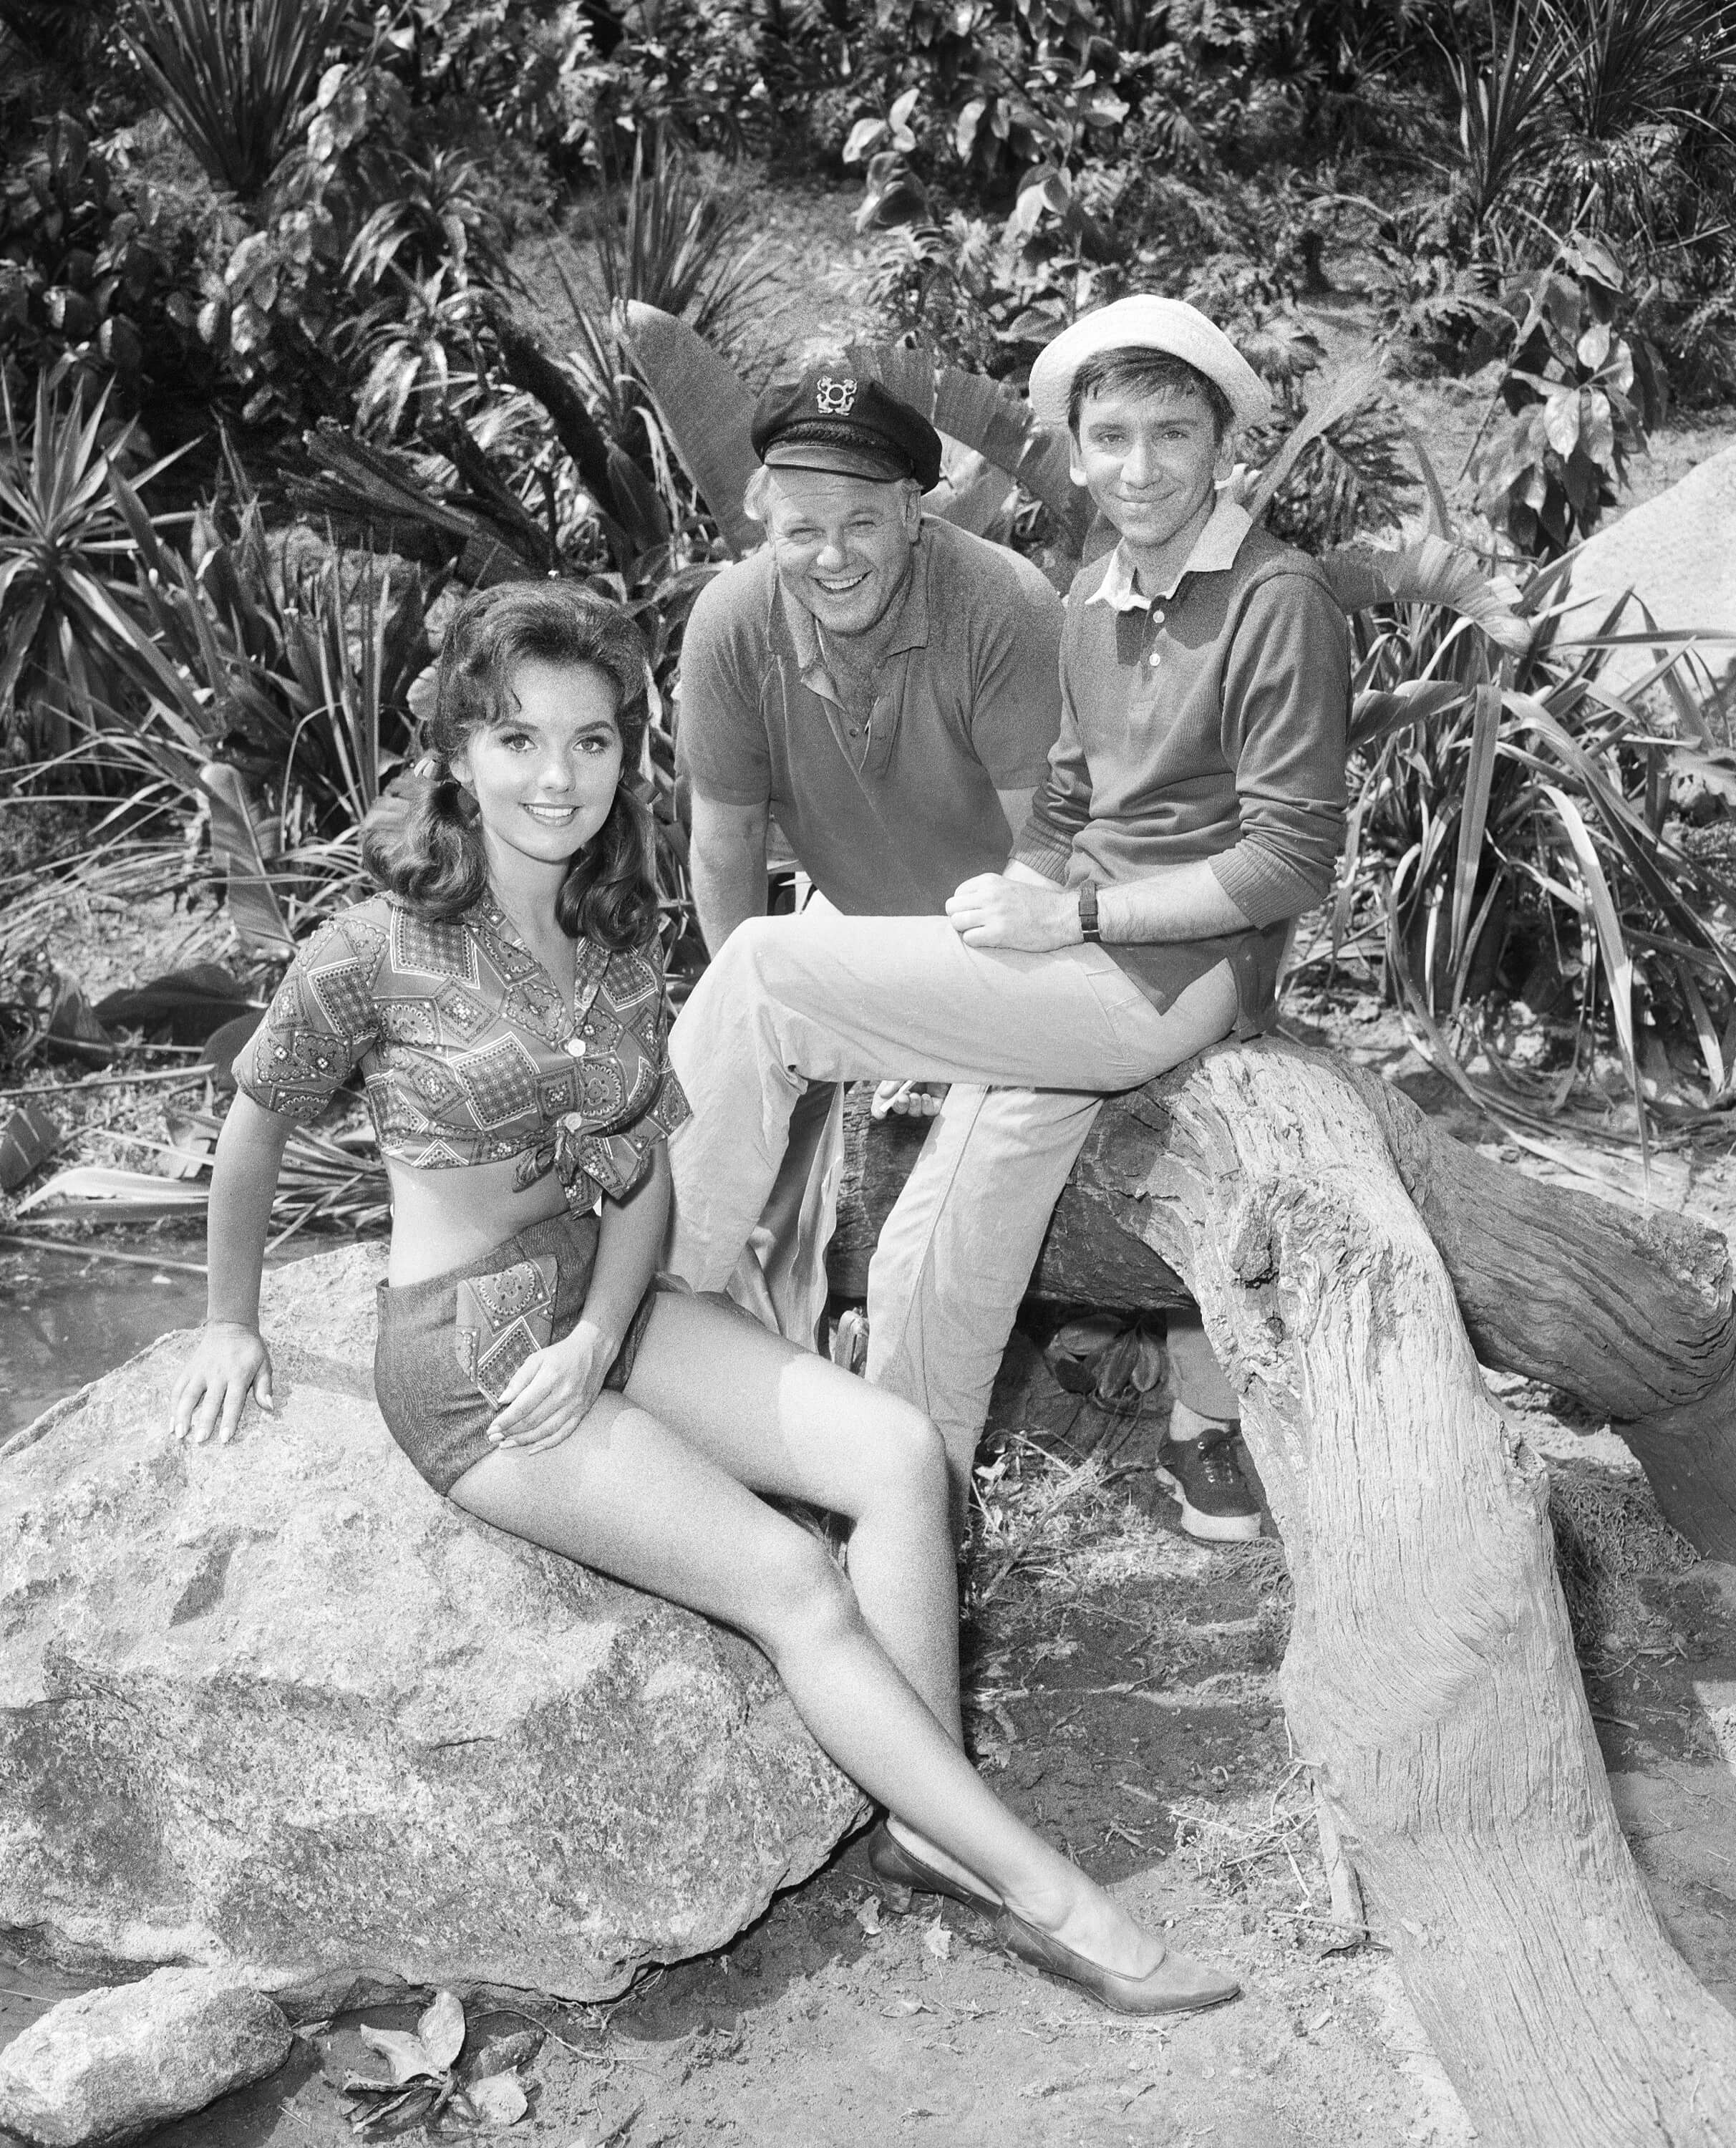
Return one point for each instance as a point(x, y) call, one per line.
point(834, 399)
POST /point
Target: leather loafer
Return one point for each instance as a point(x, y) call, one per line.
point(1176, 1985)
point(902, 1871)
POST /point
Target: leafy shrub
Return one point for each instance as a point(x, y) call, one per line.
point(60, 54)
point(359, 289)
point(1579, 394)
point(96, 275)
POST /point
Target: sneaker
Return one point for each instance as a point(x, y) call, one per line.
point(1206, 1476)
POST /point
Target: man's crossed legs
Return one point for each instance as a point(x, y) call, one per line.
point(1031, 1044)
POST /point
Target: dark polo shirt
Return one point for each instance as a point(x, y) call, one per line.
point(1206, 720)
point(886, 818)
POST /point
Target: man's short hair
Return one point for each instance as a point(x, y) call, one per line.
point(1135, 371)
point(757, 499)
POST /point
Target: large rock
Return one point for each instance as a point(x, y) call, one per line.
point(111, 2064)
point(1677, 555)
point(276, 1707)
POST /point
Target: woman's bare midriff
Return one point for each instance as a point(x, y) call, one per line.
point(441, 1219)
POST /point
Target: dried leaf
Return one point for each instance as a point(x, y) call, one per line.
point(868, 1916)
point(937, 1940)
point(496, 2100)
point(441, 2029)
point(136, 1195)
point(418, 2098)
point(406, 2054)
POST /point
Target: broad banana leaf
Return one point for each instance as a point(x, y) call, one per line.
point(1430, 571)
point(982, 414)
point(972, 495)
point(707, 411)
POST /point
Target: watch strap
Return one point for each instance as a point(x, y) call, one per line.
point(1088, 930)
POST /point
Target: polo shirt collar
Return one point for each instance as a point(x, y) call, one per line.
point(1214, 552)
point(911, 632)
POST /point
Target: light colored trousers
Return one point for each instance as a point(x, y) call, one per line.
point(1031, 1043)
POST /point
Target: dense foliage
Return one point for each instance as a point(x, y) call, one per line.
point(271, 390)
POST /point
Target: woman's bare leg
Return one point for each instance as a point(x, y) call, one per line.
point(781, 1420)
point(628, 1496)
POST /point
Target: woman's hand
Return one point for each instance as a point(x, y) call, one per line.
point(229, 1360)
point(549, 1396)
point(994, 910)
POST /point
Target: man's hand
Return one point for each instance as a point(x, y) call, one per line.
point(992, 911)
point(915, 1100)
point(549, 1396)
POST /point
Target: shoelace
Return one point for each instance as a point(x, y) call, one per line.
point(1218, 1462)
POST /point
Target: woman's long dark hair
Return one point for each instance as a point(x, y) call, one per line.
point(423, 842)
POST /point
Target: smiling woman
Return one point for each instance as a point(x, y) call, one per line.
point(503, 996)
point(545, 777)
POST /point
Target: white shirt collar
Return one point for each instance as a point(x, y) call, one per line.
point(1214, 550)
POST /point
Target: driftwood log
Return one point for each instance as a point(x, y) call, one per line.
point(1352, 1266)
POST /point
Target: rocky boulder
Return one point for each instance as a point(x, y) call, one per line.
point(1677, 555)
point(113, 2063)
point(277, 1707)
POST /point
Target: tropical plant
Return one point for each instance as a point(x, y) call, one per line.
point(67, 638)
point(418, 266)
point(673, 238)
point(360, 293)
point(1579, 394)
point(275, 700)
point(1504, 119)
point(94, 271)
point(1511, 839)
point(1613, 116)
point(233, 76)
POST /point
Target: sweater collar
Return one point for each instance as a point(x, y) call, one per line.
point(1214, 551)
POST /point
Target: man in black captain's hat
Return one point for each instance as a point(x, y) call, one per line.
point(886, 687)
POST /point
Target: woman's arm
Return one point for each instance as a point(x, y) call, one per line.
point(550, 1392)
point(229, 1360)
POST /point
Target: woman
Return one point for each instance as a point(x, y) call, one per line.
point(503, 996)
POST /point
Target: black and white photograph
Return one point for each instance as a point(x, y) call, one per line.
point(868, 1073)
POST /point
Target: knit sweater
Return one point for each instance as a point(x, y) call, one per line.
point(1208, 721)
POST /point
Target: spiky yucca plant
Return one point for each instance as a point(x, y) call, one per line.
point(232, 75)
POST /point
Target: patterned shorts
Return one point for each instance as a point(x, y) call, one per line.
point(447, 1346)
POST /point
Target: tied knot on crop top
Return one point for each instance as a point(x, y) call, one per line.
point(469, 1051)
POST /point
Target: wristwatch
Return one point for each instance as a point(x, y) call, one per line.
point(1088, 913)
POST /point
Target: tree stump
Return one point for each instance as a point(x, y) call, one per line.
point(1346, 1259)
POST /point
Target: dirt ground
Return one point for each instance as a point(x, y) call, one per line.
point(1123, 1698)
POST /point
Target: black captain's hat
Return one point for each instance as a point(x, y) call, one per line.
point(835, 419)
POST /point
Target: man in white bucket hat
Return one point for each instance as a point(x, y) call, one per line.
point(1193, 807)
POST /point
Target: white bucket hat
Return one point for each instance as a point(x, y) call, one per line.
point(1147, 324)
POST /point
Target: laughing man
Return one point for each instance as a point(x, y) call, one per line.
point(1193, 807)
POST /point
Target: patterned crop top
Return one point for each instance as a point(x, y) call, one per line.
point(468, 1049)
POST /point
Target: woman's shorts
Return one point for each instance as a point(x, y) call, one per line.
point(448, 1345)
